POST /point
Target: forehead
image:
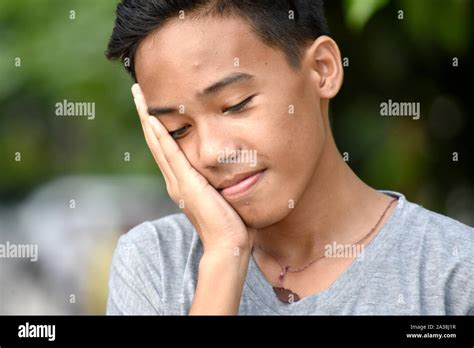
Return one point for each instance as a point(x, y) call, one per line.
point(187, 55)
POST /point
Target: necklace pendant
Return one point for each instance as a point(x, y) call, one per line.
point(286, 295)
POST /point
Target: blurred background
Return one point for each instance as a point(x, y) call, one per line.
point(73, 185)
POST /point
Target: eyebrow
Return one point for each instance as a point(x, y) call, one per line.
point(212, 89)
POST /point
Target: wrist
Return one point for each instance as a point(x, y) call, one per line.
point(225, 258)
point(221, 279)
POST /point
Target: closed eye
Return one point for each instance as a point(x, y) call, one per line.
point(239, 107)
point(179, 133)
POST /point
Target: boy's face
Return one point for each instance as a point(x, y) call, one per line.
point(282, 125)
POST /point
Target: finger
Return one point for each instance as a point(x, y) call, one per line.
point(170, 181)
point(157, 153)
point(154, 144)
point(173, 155)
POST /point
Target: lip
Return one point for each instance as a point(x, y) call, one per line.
point(240, 184)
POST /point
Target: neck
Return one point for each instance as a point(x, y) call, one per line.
point(336, 207)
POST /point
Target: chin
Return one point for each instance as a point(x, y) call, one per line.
point(259, 217)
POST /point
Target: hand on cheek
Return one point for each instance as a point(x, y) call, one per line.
point(218, 224)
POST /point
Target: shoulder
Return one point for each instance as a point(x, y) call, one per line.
point(442, 251)
point(438, 232)
point(169, 230)
point(149, 264)
point(166, 239)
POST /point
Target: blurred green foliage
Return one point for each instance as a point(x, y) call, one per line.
point(410, 51)
point(62, 58)
point(359, 12)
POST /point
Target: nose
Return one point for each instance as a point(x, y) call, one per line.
point(217, 144)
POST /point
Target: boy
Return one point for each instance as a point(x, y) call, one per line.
point(233, 97)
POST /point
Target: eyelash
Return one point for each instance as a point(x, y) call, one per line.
point(234, 109)
point(178, 131)
point(241, 106)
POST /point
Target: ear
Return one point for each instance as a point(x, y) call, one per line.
point(324, 59)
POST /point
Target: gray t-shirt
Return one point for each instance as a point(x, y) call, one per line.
point(420, 262)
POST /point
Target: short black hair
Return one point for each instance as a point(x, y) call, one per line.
point(284, 24)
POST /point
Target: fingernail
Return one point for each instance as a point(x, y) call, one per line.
point(155, 126)
point(153, 121)
point(134, 89)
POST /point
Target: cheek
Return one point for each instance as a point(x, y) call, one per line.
point(290, 147)
point(293, 157)
point(292, 142)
